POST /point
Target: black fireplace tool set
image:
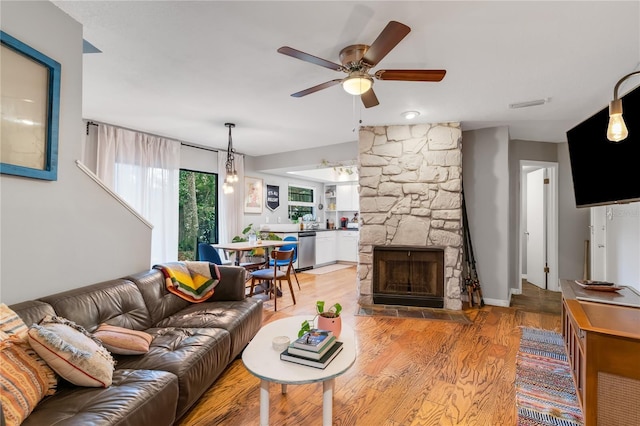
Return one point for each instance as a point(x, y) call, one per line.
point(471, 282)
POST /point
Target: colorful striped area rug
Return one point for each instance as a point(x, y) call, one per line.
point(545, 392)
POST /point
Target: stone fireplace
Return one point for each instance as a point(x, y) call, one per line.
point(411, 202)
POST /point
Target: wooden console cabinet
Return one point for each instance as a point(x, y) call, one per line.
point(603, 347)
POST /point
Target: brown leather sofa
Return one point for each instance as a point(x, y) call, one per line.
point(192, 345)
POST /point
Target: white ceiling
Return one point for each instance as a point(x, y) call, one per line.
point(182, 69)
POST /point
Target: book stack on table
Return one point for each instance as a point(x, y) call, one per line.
point(316, 348)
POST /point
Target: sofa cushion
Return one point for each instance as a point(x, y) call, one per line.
point(159, 301)
point(242, 319)
point(116, 302)
point(135, 397)
point(32, 311)
point(123, 341)
point(196, 355)
point(72, 352)
point(162, 304)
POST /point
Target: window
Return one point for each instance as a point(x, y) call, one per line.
point(300, 201)
point(198, 212)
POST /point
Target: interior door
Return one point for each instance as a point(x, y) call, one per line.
point(536, 225)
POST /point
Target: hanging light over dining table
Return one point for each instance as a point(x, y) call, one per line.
point(230, 165)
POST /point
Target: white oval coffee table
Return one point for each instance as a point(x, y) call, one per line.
point(264, 362)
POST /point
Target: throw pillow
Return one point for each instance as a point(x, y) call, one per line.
point(11, 323)
point(24, 377)
point(24, 381)
point(72, 352)
point(123, 341)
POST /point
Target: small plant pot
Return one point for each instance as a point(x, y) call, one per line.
point(332, 324)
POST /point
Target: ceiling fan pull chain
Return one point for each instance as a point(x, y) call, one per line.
point(353, 113)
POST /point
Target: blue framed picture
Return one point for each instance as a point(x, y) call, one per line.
point(30, 108)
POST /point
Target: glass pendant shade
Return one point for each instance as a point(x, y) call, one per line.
point(357, 83)
point(230, 165)
point(617, 130)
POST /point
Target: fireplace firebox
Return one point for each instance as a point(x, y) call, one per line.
point(408, 276)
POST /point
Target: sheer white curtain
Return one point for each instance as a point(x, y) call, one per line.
point(144, 170)
point(230, 207)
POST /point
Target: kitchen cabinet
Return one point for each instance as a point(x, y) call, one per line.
point(348, 246)
point(347, 198)
point(326, 243)
point(330, 197)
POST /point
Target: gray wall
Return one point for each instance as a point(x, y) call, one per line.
point(66, 233)
point(522, 150)
point(492, 189)
point(573, 223)
point(485, 173)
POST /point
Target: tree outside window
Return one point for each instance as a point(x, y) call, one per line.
point(198, 212)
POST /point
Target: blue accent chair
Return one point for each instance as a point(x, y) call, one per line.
point(281, 263)
point(206, 253)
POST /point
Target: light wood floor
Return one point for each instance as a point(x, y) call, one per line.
point(408, 371)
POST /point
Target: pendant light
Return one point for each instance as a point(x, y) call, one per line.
point(617, 129)
point(230, 165)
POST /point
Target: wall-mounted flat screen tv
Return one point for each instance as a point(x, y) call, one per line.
point(606, 172)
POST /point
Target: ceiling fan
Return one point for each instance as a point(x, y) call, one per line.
point(358, 59)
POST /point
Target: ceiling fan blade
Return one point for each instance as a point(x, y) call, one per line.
point(294, 53)
point(316, 88)
point(392, 34)
point(410, 75)
point(369, 98)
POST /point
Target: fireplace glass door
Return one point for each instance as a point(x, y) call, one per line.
point(408, 276)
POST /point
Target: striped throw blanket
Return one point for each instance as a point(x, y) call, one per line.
point(192, 281)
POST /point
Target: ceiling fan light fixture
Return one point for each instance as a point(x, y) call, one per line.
point(410, 115)
point(357, 83)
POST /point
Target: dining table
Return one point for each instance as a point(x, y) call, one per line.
point(246, 246)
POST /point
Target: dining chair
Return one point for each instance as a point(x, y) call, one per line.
point(274, 276)
point(206, 253)
point(293, 247)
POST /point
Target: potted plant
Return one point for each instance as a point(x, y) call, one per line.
point(248, 232)
point(327, 320)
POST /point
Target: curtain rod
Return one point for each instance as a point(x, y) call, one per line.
point(97, 123)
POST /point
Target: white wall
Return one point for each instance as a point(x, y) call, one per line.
point(66, 233)
point(485, 175)
point(280, 215)
point(623, 244)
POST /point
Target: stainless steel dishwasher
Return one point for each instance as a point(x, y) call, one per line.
point(306, 250)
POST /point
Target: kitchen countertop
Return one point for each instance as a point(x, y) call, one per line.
point(293, 228)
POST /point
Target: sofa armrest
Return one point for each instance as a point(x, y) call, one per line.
point(231, 285)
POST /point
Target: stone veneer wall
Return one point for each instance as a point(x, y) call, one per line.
point(411, 194)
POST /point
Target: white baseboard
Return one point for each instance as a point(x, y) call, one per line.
point(523, 276)
point(496, 302)
point(513, 291)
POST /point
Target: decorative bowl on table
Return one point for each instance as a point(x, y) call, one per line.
point(280, 343)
